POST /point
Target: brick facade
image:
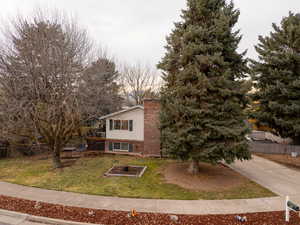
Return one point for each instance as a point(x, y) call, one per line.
point(151, 127)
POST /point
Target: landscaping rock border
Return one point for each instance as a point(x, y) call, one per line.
point(108, 217)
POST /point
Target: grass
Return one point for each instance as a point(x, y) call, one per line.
point(86, 176)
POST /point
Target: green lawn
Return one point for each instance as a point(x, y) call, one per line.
point(86, 176)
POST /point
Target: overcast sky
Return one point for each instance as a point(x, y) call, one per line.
point(135, 30)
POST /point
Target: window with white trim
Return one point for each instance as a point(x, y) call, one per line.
point(120, 147)
point(121, 125)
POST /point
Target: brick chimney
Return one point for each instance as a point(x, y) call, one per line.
point(151, 127)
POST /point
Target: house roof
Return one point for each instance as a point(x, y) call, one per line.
point(122, 111)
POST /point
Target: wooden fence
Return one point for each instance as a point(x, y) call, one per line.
point(273, 148)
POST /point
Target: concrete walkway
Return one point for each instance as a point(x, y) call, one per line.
point(278, 179)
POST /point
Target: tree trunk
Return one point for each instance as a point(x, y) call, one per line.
point(56, 158)
point(194, 167)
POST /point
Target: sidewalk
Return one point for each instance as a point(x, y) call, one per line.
point(278, 179)
point(144, 205)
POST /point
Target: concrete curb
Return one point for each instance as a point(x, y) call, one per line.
point(21, 217)
point(38, 219)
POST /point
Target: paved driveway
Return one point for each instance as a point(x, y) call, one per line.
point(277, 178)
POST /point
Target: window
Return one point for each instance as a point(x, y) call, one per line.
point(121, 125)
point(117, 124)
point(117, 146)
point(124, 146)
point(124, 125)
point(120, 147)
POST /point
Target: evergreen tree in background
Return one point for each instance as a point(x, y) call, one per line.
point(277, 78)
point(100, 93)
point(203, 100)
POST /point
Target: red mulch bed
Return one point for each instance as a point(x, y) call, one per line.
point(120, 218)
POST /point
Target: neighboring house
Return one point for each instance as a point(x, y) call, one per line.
point(267, 136)
point(132, 131)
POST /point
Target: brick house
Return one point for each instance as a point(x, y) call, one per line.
point(132, 131)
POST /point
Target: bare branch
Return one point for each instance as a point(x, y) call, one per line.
point(139, 82)
point(42, 62)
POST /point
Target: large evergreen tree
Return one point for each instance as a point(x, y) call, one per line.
point(277, 78)
point(100, 93)
point(202, 102)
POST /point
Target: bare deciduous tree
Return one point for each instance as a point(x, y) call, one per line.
point(139, 82)
point(42, 60)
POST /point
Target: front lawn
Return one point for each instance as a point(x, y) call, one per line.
point(86, 176)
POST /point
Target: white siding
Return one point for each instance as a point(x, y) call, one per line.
point(137, 134)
